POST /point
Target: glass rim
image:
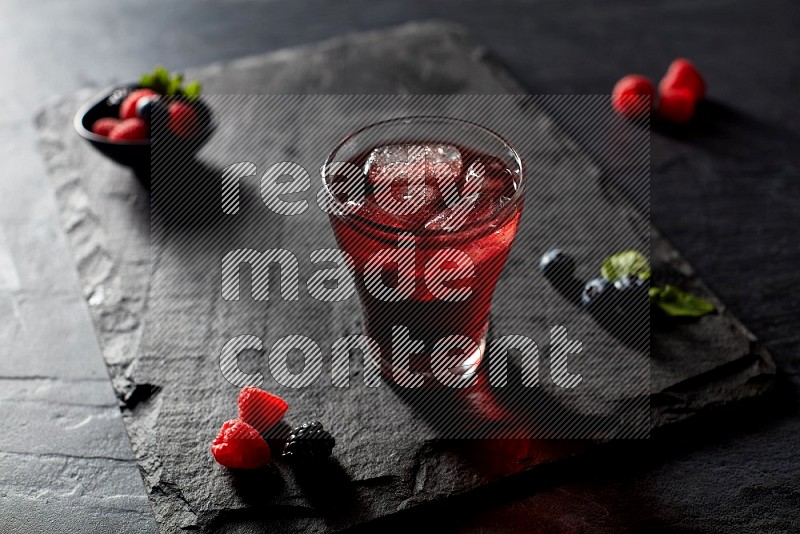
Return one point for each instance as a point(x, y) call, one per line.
point(514, 200)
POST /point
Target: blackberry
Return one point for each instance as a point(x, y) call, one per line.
point(309, 442)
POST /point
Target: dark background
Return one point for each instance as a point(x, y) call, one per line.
point(726, 191)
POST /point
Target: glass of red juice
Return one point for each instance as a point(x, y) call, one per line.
point(427, 208)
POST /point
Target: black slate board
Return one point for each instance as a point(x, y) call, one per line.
point(105, 214)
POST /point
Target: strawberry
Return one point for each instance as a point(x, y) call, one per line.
point(260, 409)
point(134, 129)
point(627, 98)
point(104, 126)
point(182, 120)
point(127, 109)
point(676, 105)
point(240, 446)
point(683, 74)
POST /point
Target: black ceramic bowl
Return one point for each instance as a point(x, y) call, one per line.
point(135, 154)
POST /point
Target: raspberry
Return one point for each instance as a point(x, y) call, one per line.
point(260, 409)
point(104, 126)
point(129, 130)
point(240, 446)
point(627, 98)
point(676, 105)
point(182, 120)
point(309, 442)
point(683, 74)
point(127, 110)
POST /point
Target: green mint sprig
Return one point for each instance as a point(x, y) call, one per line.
point(627, 262)
point(679, 303)
point(161, 81)
point(671, 300)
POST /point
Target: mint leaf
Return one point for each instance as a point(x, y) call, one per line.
point(174, 85)
point(162, 82)
point(678, 303)
point(147, 81)
point(161, 76)
point(192, 90)
point(158, 80)
point(625, 263)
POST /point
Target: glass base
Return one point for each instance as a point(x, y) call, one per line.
point(419, 365)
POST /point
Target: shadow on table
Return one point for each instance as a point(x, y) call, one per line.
point(186, 194)
point(192, 213)
point(513, 411)
point(629, 325)
point(718, 124)
point(328, 489)
point(599, 484)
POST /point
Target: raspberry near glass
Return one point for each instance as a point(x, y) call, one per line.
point(440, 202)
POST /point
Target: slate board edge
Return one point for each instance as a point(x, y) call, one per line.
point(684, 406)
point(754, 377)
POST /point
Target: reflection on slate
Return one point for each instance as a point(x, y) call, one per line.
point(694, 366)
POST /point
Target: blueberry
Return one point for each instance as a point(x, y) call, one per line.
point(632, 285)
point(626, 282)
point(632, 294)
point(144, 107)
point(597, 292)
point(557, 264)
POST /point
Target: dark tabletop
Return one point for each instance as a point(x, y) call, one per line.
point(726, 192)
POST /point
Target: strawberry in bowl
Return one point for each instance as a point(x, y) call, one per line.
point(119, 121)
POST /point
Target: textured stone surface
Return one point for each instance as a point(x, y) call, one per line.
point(106, 220)
point(65, 458)
point(84, 466)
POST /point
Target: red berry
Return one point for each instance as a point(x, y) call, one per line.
point(183, 120)
point(260, 409)
point(676, 105)
point(240, 446)
point(683, 74)
point(627, 98)
point(129, 130)
point(127, 109)
point(104, 126)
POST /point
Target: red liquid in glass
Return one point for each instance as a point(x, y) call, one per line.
point(486, 236)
